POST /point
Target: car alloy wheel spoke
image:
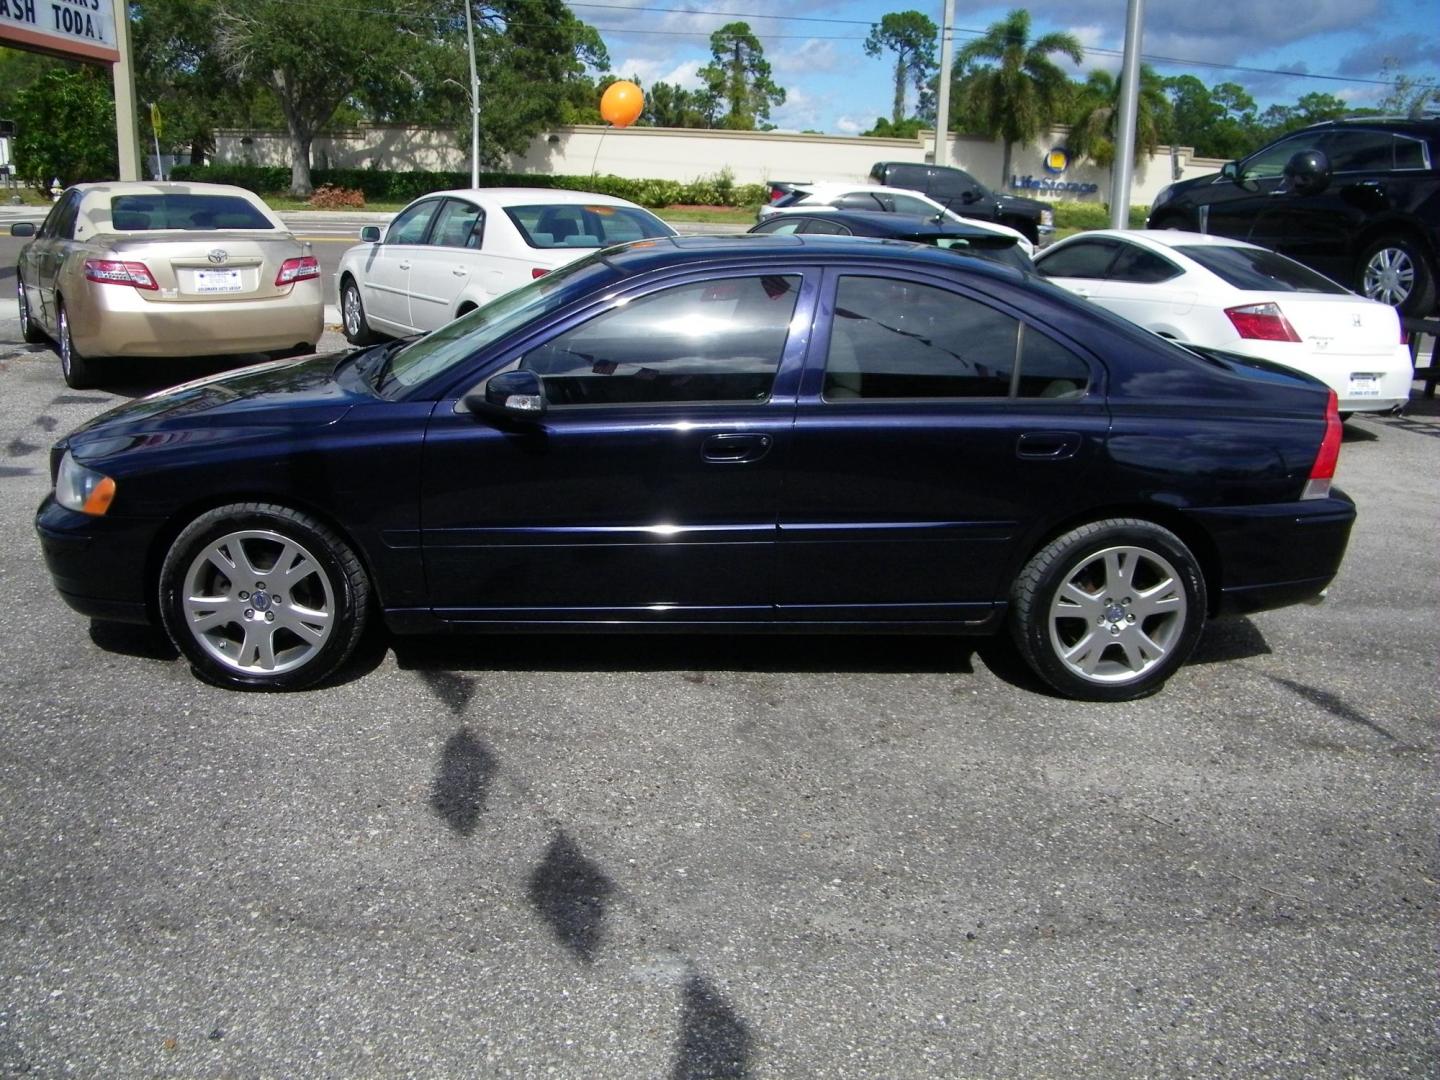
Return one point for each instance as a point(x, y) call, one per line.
point(211, 612)
point(1117, 614)
point(258, 649)
point(305, 623)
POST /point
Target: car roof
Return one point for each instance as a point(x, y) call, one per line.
point(526, 196)
point(668, 253)
point(901, 224)
point(164, 187)
point(1424, 126)
point(1158, 239)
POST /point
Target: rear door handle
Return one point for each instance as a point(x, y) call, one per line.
point(735, 448)
point(404, 265)
point(1047, 445)
point(459, 271)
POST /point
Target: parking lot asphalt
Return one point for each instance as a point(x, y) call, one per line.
point(723, 857)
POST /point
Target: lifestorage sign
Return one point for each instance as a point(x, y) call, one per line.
point(83, 29)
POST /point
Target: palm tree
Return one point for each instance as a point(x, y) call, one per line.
point(1021, 92)
point(1095, 119)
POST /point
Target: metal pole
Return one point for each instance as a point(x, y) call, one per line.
point(474, 102)
point(159, 166)
point(942, 105)
point(1124, 167)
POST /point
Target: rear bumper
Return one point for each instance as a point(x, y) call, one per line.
point(1278, 554)
point(117, 321)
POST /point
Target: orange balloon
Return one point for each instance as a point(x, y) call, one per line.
point(622, 103)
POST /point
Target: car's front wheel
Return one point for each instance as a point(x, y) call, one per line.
point(262, 597)
point(80, 372)
point(352, 315)
point(1395, 271)
point(1109, 611)
point(28, 330)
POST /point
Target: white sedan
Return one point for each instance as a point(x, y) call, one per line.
point(1226, 294)
point(451, 251)
point(813, 198)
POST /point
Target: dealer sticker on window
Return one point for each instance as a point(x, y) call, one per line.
point(1364, 384)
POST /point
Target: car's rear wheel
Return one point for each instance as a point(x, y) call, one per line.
point(352, 315)
point(262, 597)
point(1395, 271)
point(28, 330)
point(1109, 611)
point(80, 372)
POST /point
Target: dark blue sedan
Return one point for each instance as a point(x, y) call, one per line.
point(719, 434)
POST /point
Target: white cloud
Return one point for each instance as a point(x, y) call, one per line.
point(665, 70)
point(847, 126)
point(806, 58)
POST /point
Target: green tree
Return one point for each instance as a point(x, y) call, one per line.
point(739, 75)
point(885, 129)
point(911, 37)
point(1217, 122)
point(1016, 92)
point(316, 55)
point(1408, 95)
point(65, 128)
point(668, 105)
point(1095, 121)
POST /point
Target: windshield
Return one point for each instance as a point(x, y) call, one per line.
point(456, 342)
point(1258, 270)
point(572, 225)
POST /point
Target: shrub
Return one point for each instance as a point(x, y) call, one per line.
point(330, 197)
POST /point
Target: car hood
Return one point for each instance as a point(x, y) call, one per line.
point(258, 400)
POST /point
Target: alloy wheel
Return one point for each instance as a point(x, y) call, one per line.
point(1389, 276)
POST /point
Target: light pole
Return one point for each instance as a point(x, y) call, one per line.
point(942, 107)
point(474, 102)
point(1124, 167)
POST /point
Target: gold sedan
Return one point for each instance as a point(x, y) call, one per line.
point(165, 269)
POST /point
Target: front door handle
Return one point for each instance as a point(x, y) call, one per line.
point(459, 271)
point(735, 448)
point(1047, 445)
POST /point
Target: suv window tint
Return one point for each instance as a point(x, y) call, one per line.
point(1082, 259)
point(1271, 161)
point(411, 225)
point(1411, 153)
point(459, 224)
point(1258, 269)
point(707, 341)
point(892, 338)
point(1360, 151)
point(1141, 267)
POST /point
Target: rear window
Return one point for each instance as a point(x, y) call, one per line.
point(141, 213)
point(572, 225)
point(1006, 252)
point(1255, 269)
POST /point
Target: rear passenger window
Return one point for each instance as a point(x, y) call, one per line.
point(710, 341)
point(1410, 153)
point(892, 338)
point(1140, 266)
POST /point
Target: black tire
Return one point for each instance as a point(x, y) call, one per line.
point(352, 315)
point(262, 638)
point(80, 372)
point(1123, 597)
point(28, 330)
point(1396, 271)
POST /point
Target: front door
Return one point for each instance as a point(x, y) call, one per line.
point(648, 491)
point(441, 269)
point(387, 268)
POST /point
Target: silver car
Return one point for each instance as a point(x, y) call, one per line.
point(165, 269)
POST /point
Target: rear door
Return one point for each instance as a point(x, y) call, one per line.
point(936, 430)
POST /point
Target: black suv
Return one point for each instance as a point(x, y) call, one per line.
point(1357, 200)
point(962, 193)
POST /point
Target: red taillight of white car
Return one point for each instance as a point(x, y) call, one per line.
point(537, 272)
point(1261, 322)
point(293, 270)
point(1323, 471)
point(114, 272)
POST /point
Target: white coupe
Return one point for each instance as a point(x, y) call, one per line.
point(451, 251)
point(1226, 294)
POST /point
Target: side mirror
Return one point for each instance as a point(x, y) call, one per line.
point(970, 196)
point(518, 395)
point(23, 228)
point(1231, 171)
point(1308, 172)
point(370, 234)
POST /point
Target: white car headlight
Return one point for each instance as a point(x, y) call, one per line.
point(82, 489)
point(1047, 218)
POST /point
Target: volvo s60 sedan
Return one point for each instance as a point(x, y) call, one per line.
point(720, 434)
point(164, 269)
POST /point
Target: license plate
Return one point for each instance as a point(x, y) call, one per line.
point(1364, 384)
point(217, 281)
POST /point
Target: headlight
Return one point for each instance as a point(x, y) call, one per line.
point(82, 489)
point(1166, 194)
point(1047, 218)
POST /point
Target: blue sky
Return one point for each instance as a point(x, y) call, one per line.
point(832, 86)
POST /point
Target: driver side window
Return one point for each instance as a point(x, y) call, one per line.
point(411, 225)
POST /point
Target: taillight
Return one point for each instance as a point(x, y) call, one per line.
point(1262, 322)
point(293, 270)
point(776, 194)
point(113, 272)
point(1323, 471)
point(537, 272)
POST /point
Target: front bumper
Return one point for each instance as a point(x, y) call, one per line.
point(98, 564)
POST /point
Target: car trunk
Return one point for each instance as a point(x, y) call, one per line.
point(1339, 325)
point(214, 267)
